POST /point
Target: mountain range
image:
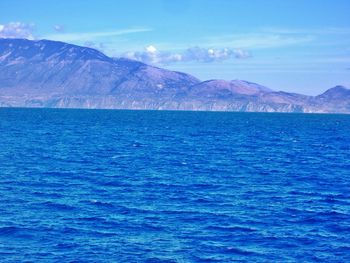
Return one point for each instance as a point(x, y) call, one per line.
point(54, 74)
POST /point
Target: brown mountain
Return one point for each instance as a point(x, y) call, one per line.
point(55, 74)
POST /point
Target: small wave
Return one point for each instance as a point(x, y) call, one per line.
point(240, 251)
point(66, 246)
point(159, 260)
point(9, 230)
point(231, 228)
point(137, 145)
point(15, 232)
point(203, 258)
point(91, 219)
point(151, 227)
point(48, 195)
point(337, 228)
point(100, 203)
point(58, 206)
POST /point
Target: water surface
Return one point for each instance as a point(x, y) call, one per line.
point(152, 186)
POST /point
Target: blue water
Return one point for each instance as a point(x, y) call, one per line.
point(148, 186)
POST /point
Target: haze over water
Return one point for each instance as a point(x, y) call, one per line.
point(150, 186)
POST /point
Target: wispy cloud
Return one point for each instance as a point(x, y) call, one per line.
point(152, 55)
point(91, 36)
point(276, 37)
point(255, 40)
point(309, 31)
point(17, 30)
point(259, 40)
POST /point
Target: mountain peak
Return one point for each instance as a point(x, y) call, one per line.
point(339, 87)
point(44, 49)
point(336, 92)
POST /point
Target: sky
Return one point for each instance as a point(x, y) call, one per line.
point(300, 46)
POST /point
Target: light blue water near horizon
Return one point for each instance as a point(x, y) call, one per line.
point(158, 186)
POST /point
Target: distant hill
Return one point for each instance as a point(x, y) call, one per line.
point(55, 74)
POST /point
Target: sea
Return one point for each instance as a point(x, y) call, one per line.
point(173, 186)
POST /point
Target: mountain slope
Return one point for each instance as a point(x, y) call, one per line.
point(55, 74)
point(47, 67)
point(336, 99)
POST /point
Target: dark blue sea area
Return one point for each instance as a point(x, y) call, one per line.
point(162, 186)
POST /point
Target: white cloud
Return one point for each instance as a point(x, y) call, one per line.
point(152, 55)
point(212, 54)
point(94, 45)
point(151, 49)
point(17, 30)
point(240, 53)
point(58, 28)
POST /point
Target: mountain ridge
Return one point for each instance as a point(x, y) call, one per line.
point(45, 73)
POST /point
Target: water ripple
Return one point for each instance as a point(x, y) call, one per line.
point(143, 186)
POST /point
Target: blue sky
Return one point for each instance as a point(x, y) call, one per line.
point(292, 45)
